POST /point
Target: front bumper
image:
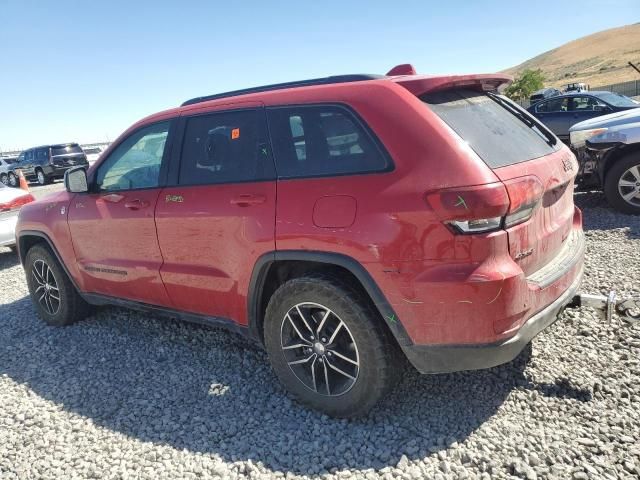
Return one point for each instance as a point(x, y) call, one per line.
point(453, 358)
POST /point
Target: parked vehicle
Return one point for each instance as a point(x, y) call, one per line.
point(419, 216)
point(11, 200)
point(608, 151)
point(576, 87)
point(93, 153)
point(46, 163)
point(544, 93)
point(5, 163)
point(561, 112)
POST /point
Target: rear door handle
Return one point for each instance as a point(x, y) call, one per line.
point(248, 200)
point(136, 204)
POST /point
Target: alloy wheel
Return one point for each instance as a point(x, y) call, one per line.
point(41, 178)
point(629, 186)
point(319, 349)
point(13, 180)
point(47, 291)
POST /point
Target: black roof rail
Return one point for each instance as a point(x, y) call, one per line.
point(281, 86)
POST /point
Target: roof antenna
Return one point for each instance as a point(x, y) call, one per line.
point(404, 69)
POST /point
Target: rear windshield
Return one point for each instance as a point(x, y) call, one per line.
point(65, 150)
point(616, 99)
point(498, 136)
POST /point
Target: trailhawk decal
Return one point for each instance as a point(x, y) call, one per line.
point(89, 268)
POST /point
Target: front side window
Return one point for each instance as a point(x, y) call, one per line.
point(226, 147)
point(555, 105)
point(135, 163)
point(29, 156)
point(310, 141)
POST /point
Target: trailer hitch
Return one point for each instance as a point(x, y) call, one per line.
point(627, 308)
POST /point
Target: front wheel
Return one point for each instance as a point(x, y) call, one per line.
point(622, 184)
point(13, 179)
point(328, 347)
point(52, 293)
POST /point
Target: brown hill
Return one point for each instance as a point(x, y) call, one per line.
point(597, 59)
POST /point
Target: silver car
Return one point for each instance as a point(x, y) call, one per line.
point(11, 199)
point(608, 150)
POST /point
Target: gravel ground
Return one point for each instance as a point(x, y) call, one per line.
point(124, 395)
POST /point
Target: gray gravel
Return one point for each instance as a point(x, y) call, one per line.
point(125, 395)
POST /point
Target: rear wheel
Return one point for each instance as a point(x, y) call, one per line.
point(328, 348)
point(42, 178)
point(4, 179)
point(622, 184)
point(52, 293)
point(13, 179)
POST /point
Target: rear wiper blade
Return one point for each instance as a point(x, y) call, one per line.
point(551, 138)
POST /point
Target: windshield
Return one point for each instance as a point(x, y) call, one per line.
point(616, 99)
point(65, 149)
point(497, 135)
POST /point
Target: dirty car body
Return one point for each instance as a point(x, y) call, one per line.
point(446, 208)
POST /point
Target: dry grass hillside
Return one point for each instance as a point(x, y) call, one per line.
point(597, 59)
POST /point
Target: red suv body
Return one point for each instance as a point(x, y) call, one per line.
point(446, 210)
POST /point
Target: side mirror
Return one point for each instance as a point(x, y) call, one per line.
point(75, 180)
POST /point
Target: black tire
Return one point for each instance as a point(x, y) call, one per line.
point(4, 179)
point(614, 175)
point(42, 177)
point(379, 362)
point(70, 306)
point(13, 179)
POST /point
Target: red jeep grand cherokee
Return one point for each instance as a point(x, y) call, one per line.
point(341, 222)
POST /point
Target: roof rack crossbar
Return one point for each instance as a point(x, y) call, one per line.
point(281, 86)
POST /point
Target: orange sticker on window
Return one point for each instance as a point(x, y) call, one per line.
point(235, 133)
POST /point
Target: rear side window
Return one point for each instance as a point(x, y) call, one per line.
point(65, 149)
point(311, 141)
point(42, 154)
point(495, 134)
point(555, 105)
point(226, 147)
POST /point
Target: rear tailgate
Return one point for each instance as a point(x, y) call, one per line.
point(536, 242)
point(516, 149)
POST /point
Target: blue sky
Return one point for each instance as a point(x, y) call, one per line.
point(84, 71)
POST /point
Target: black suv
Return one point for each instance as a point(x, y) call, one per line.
point(47, 162)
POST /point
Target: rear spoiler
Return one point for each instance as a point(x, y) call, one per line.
point(419, 84)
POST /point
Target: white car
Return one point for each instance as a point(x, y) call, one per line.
point(5, 163)
point(11, 199)
point(93, 153)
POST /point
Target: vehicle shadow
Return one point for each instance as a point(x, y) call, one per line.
point(206, 390)
point(8, 258)
point(599, 215)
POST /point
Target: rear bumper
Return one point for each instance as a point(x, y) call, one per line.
point(452, 358)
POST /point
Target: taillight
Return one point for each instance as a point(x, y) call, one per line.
point(16, 203)
point(489, 207)
point(525, 194)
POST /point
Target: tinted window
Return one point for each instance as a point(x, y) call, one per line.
point(494, 133)
point(42, 154)
point(135, 163)
point(555, 105)
point(65, 149)
point(320, 141)
point(29, 155)
point(582, 104)
point(226, 147)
